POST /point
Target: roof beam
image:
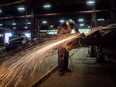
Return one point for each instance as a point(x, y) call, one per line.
point(79, 12)
point(16, 2)
point(54, 14)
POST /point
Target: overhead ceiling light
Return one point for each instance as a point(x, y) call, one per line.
point(25, 27)
point(51, 26)
point(101, 19)
point(47, 6)
point(81, 20)
point(21, 8)
point(62, 21)
point(91, 2)
point(28, 22)
point(89, 26)
point(1, 25)
point(81, 25)
point(14, 27)
point(13, 23)
point(44, 22)
point(0, 11)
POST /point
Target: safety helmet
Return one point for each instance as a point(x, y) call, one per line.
point(70, 23)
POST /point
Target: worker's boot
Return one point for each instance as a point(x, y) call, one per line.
point(61, 72)
point(67, 70)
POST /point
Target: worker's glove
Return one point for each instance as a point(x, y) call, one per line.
point(72, 45)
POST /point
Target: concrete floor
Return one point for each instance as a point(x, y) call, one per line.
point(85, 73)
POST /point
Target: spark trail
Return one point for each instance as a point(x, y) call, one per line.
point(14, 71)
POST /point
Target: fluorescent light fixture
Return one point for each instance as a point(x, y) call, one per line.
point(101, 19)
point(25, 27)
point(52, 32)
point(89, 26)
point(14, 27)
point(81, 25)
point(7, 35)
point(91, 2)
point(28, 22)
point(86, 30)
point(0, 11)
point(1, 35)
point(21, 8)
point(81, 20)
point(1, 24)
point(51, 26)
point(62, 21)
point(13, 23)
point(47, 6)
point(44, 22)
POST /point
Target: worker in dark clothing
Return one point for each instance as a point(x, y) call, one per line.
point(63, 53)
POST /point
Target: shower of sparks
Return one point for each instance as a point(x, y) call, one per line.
point(14, 71)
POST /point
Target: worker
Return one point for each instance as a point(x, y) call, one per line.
point(63, 53)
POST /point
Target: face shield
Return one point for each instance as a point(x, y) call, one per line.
point(70, 23)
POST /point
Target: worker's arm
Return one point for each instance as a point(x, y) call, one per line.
point(73, 44)
point(62, 31)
